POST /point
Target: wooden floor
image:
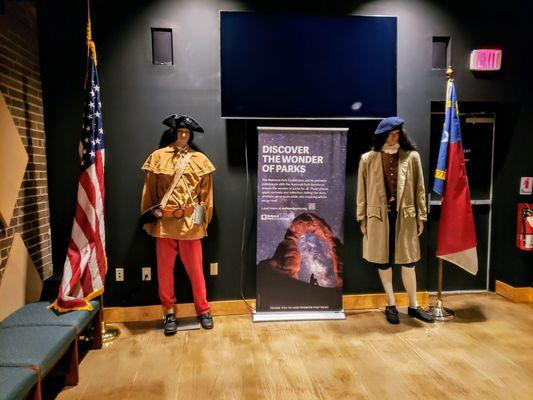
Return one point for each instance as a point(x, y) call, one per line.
point(485, 353)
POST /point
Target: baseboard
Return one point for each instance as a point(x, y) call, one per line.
point(151, 313)
point(377, 300)
point(239, 307)
point(516, 294)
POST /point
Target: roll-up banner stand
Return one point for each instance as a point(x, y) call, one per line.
point(300, 214)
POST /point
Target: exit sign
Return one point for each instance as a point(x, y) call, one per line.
point(485, 60)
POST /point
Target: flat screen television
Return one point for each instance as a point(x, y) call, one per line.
point(296, 66)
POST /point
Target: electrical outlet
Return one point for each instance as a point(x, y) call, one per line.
point(147, 273)
point(119, 274)
point(213, 269)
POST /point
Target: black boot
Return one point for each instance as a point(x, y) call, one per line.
point(171, 325)
point(392, 315)
point(420, 314)
point(206, 320)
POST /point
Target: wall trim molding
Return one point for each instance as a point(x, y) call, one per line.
point(239, 307)
point(516, 294)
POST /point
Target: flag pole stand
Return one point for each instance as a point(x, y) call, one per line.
point(109, 332)
point(439, 312)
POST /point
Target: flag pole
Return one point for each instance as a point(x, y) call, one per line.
point(109, 332)
point(438, 311)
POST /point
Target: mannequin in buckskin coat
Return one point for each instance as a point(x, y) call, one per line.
point(175, 230)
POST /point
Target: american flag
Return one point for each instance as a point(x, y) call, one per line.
point(86, 262)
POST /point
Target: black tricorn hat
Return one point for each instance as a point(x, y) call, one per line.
point(183, 121)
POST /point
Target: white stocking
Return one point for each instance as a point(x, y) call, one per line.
point(386, 280)
point(409, 282)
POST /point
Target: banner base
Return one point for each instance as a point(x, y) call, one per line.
point(267, 316)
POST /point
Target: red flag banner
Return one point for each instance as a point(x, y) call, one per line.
point(456, 241)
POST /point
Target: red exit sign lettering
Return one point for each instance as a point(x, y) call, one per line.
point(485, 60)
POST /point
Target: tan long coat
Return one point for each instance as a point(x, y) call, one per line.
point(372, 207)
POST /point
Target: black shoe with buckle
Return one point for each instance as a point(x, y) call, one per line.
point(171, 324)
point(206, 320)
point(420, 314)
point(392, 315)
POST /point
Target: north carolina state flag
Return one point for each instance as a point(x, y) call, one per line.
point(456, 241)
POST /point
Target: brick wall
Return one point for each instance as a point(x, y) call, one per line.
point(20, 84)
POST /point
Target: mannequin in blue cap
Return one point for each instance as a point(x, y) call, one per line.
point(391, 208)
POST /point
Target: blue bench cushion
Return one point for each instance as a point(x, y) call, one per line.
point(15, 382)
point(36, 314)
point(41, 346)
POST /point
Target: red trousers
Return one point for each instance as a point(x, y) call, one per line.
point(190, 252)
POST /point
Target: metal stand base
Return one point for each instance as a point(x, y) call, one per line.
point(266, 316)
point(440, 312)
point(109, 333)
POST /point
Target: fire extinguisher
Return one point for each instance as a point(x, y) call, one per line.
point(524, 229)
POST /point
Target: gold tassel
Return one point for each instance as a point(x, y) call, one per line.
point(90, 44)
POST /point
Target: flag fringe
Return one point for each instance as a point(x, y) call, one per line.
point(86, 299)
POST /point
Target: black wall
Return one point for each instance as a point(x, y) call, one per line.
point(136, 95)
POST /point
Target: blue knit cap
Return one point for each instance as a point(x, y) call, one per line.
point(389, 124)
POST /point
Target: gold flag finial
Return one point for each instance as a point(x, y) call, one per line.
point(449, 73)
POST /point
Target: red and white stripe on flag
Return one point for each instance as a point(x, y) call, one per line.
point(85, 265)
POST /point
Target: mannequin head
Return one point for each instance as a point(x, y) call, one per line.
point(182, 137)
point(181, 132)
point(392, 137)
point(170, 137)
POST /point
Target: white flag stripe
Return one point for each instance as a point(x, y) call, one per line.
point(466, 259)
point(86, 206)
point(99, 203)
point(95, 273)
point(67, 276)
point(67, 269)
point(84, 252)
point(79, 239)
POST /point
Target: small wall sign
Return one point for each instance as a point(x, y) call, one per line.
point(526, 185)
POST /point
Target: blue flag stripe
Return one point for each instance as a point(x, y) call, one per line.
point(451, 133)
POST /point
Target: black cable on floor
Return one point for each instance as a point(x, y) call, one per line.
point(244, 236)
